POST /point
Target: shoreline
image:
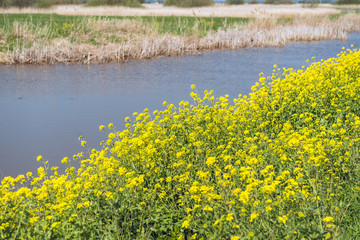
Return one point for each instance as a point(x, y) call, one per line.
point(140, 40)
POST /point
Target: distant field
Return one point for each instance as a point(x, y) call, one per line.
point(218, 10)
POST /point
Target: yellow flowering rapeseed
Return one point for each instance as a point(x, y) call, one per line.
point(281, 162)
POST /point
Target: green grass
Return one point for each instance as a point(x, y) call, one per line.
point(176, 25)
point(75, 28)
point(345, 10)
point(170, 24)
point(8, 19)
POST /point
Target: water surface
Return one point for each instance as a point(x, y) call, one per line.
point(44, 109)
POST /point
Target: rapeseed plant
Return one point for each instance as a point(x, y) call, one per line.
point(282, 163)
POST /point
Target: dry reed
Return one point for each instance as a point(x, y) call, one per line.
point(139, 41)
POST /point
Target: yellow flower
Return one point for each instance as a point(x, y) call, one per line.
point(257, 202)
point(207, 208)
point(229, 217)
point(185, 224)
point(109, 195)
point(283, 219)
point(162, 194)
point(39, 158)
point(33, 220)
point(29, 174)
point(203, 175)
point(253, 216)
point(327, 235)
point(55, 224)
point(210, 161)
point(328, 219)
point(65, 160)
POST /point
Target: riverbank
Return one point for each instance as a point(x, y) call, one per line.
point(275, 164)
point(80, 39)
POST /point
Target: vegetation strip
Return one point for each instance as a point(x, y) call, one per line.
point(50, 39)
point(282, 163)
point(169, 24)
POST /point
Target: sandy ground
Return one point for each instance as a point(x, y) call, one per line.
point(218, 10)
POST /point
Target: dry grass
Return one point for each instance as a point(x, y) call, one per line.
point(139, 41)
point(218, 10)
point(267, 33)
point(136, 39)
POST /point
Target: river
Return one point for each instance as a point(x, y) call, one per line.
point(44, 109)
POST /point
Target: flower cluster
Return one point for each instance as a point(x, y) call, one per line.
point(276, 164)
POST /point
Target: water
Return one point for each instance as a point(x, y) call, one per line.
point(44, 109)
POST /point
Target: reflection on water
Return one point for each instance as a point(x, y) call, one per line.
point(44, 109)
